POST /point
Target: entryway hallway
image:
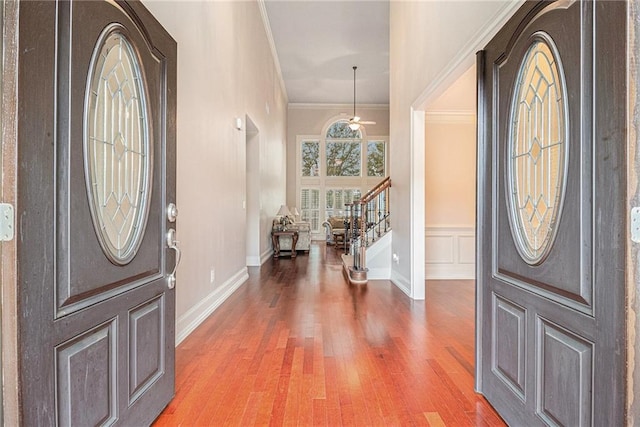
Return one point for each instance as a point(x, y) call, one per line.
point(298, 345)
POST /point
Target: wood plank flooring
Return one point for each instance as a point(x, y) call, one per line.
point(297, 345)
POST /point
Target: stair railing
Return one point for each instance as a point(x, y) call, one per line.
point(367, 220)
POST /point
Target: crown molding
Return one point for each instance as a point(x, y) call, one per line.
point(308, 106)
point(466, 57)
point(457, 116)
point(272, 46)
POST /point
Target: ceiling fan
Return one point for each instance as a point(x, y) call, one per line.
point(355, 122)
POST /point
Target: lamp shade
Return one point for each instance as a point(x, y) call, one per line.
point(284, 211)
point(295, 211)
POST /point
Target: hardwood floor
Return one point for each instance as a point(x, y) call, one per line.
point(297, 345)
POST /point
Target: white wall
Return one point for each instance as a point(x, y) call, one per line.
point(450, 194)
point(225, 70)
point(427, 53)
point(450, 169)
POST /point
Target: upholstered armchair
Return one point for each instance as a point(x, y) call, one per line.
point(335, 229)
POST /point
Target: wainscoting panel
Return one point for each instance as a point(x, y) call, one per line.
point(450, 252)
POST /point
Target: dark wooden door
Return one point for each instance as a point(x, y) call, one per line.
point(96, 172)
point(551, 215)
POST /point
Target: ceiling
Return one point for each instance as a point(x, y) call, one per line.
point(318, 42)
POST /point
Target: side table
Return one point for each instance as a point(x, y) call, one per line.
point(275, 239)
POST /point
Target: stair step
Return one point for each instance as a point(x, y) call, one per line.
point(356, 277)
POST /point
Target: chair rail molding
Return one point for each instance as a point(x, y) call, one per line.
point(450, 252)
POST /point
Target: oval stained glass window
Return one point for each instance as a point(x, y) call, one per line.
point(537, 150)
point(117, 149)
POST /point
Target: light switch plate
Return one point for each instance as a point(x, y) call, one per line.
point(635, 224)
point(6, 222)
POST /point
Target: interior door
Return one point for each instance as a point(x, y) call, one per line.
point(551, 221)
point(96, 172)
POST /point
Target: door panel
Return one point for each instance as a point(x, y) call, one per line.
point(88, 400)
point(78, 286)
point(551, 168)
point(563, 383)
point(559, 276)
point(97, 169)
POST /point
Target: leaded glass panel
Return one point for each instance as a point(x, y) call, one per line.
point(116, 146)
point(538, 138)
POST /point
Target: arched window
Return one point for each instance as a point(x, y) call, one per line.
point(343, 149)
point(336, 168)
point(341, 130)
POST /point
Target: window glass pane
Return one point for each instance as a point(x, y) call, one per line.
point(310, 158)
point(315, 220)
point(315, 199)
point(348, 196)
point(341, 130)
point(343, 158)
point(375, 158)
point(329, 199)
point(310, 207)
point(341, 197)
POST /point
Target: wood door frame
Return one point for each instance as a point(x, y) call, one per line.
point(633, 199)
point(9, 317)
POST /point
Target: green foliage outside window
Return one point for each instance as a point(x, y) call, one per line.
point(310, 158)
point(375, 158)
point(341, 130)
point(343, 158)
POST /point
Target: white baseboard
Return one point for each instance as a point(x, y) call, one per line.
point(190, 320)
point(266, 255)
point(253, 261)
point(378, 273)
point(450, 272)
point(450, 252)
point(257, 261)
point(401, 282)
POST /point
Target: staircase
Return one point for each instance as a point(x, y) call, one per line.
point(367, 221)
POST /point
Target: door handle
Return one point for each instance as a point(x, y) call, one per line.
point(172, 243)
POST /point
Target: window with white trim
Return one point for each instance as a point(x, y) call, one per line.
point(335, 169)
point(310, 207)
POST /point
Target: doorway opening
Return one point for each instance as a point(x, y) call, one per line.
point(252, 197)
point(450, 181)
point(450, 145)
